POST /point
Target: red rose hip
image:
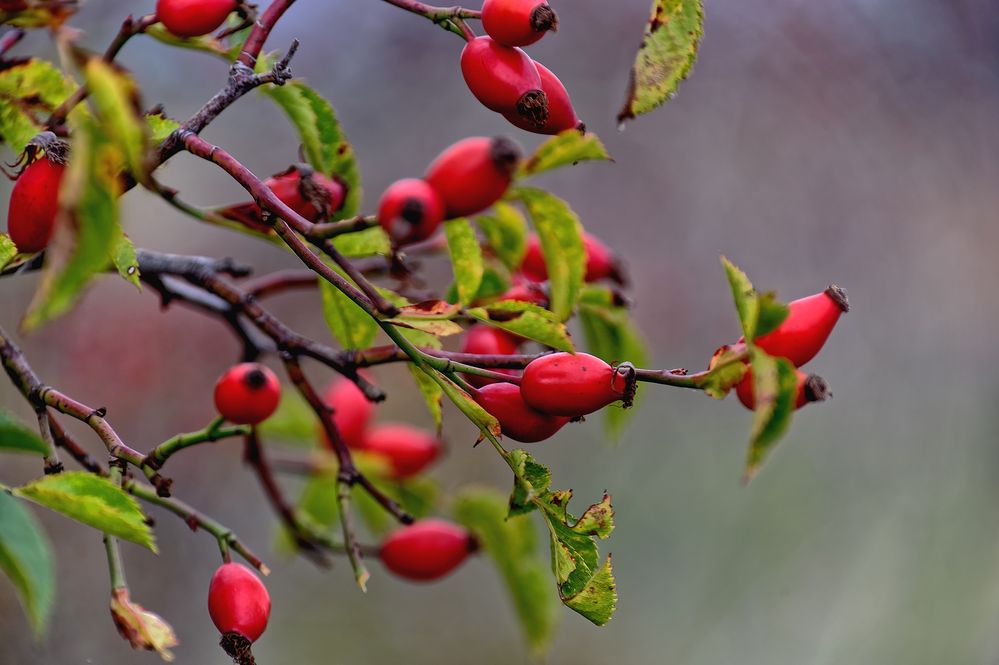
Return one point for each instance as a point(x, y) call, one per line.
point(573, 385)
point(811, 388)
point(803, 333)
point(247, 394)
point(238, 602)
point(518, 22)
point(473, 174)
point(352, 411)
point(483, 340)
point(34, 204)
point(408, 450)
point(504, 79)
point(600, 262)
point(561, 114)
point(410, 210)
point(426, 550)
point(193, 18)
point(517, 420)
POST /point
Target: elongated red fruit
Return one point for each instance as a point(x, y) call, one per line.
point(805, 330)
point(352, 411)
point(504, 79)
point(561, 114)
point(408, 450)
point(525, 290)
point(34, 203)
point(426, 550)
point(193, 18)
point(811, 388)
point(247, 394)
point(314, 198)
point(483, 340)
point(573, 385)
point(238, 602)
point(410, 210)
point(518, 22)
point(600, 262)
point(517, 420)
point(473, 174)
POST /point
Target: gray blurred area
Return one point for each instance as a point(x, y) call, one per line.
point(853, 142)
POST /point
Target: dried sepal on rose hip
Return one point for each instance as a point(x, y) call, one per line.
point(407, 450)
point(807, 327)
point(561, 113)
point(518, 22)
point(34, 199)
point(240, 607)
point(410, 210)
point(427, 550)
point(194, 18)
point(247, 394)
point(576, 384)
point(504, 79)
point(473, 174)
point(518, 420)
point(811, 388)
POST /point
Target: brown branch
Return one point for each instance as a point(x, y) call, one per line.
point(261, 31)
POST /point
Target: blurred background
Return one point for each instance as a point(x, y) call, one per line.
point(851, 142)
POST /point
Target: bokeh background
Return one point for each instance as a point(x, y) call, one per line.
point(852, 142)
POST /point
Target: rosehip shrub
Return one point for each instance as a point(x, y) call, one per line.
point(410, 210)
point(504, 79)
point(238, 602)
point(518, 22)
point(517, 420)
point(473, 174)
point(408, 450)
point(426, 550)
point(193, 18)
point(561, 114)
point(247, 394)
point(34, 204)
point(804, 332)
point(573, 384)
point(352, 411)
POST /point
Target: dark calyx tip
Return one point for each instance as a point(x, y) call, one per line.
point(627, 370)
point(505, 154)
point(238, 648)
point(533, 107)
point(543, 19)
point(581, 127)
point(838, 296)
point(816, 389)
point(413, 211)
point(255, 379)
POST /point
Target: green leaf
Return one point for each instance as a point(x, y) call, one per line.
point(16, 437)
point(323, 142)
point(525, 320)
point(466, 258)
point(468, 406)
point(8, 250)
point(87, 225)
point(91, 500)
point(561, 237)
point(37, 13)
point(116, 101)
point(726, 370)
point(531, 480)
point(294, 421)
point(369, 242)
point(598, 599)
point(26, 559)
point(506, 233)
point(432, 393)
point(29, 92)
point(772, 313)
point(666, 56)
point(160, 127)
point(207, 44)
point(568, 147)
point(125, 260)
point(758, 313)
point(775, 388)
point(348, 322)
point(512, 545)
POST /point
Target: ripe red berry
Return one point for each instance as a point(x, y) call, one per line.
point(193, 18)
point(504, 79)
point(352, 411)
point(410, 210)
point(811, 388)
point(34, 203)
point(803, 333)
point(561, 114)
point(524, 290)
point(247, 394)
point(473, 174)
point(238, 601)
point(426, 550)
point(600, 262)
point(573, 385)
point(518, 22)
point(483, 340)
point(517, 420)
point(408, 450)
point(302, 196)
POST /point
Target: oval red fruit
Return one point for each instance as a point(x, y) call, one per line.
point(573, 385)
point(34, 203)
point(410, 210)
point(327, 193)
point(238, 601)
point(811, 388)
point(486, 341)
point(525, 290)
point(247, 394)
point(193, 18)
point(473, 174)
point(408, 450)
point(600, 262)
point(517, 419)
point(518, 22)
point(426, 550)
point(352, 411)
point(504, 79)
point(803, 333)
point(561, 114)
